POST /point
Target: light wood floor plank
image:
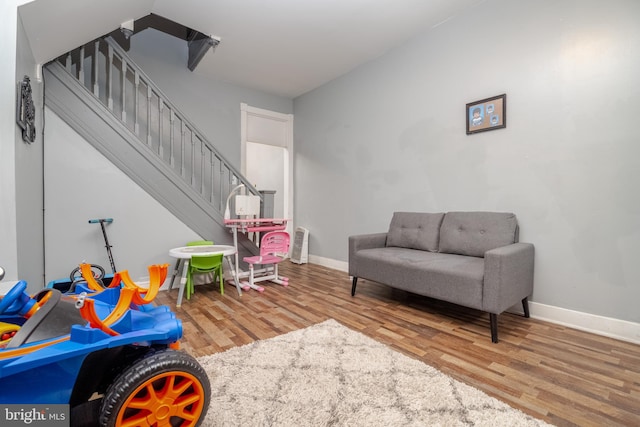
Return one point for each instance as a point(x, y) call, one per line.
point(564, 376)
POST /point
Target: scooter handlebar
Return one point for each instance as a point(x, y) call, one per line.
point(96, 221)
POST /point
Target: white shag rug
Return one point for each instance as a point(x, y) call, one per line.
point(329, 375)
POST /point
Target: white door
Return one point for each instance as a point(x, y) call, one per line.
point(267, 155)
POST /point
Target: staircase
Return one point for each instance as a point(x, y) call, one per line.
point(110, 101)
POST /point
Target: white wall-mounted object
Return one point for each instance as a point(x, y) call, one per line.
point(300, 247)
point(247, 205)
point(227, 212)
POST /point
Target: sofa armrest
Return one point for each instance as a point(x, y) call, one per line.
point(508, 276)
point(363, 241)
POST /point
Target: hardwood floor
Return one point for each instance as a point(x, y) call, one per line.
point(561, 375)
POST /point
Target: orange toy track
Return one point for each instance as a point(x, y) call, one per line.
point(130, 293)
point(92, 283)
point(157, 275)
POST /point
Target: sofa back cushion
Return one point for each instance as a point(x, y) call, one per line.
point(474, 233)
point(415, 230)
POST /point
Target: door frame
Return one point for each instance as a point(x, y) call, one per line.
point(287, 119)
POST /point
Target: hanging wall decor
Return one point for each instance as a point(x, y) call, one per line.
point(26, 112)
point(487, 114)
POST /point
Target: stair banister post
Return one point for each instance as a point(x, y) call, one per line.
point(81, 66)
point(123, 67)
point(149, 95)
point(182, 145)
point(136, 103)
point(160, 127)
point(110, 78)
point(94, 63)
point(172, 119)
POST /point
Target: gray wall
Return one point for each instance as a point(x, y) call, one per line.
point(21, 235)
point(391, 136)
point(81, 184)
point(212, 106)
point(8, 214)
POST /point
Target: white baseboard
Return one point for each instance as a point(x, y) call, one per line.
point(330, 263)
point(143, 282)
point(593, 323)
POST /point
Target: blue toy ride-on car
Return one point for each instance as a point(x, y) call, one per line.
point(108, 353)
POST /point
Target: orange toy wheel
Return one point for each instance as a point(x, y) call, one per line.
point(164, 388)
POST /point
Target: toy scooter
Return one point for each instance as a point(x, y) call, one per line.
point(68, 285)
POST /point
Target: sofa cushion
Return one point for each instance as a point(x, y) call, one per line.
point(449, 277)
point(415, 230)
point(474, 233)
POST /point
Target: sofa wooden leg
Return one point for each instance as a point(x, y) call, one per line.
point(525, 306)
point(353, 286)
point(494, 327)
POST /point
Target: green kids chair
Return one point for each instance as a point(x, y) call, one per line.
point(204, 264)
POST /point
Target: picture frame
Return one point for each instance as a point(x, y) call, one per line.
point(486, 114)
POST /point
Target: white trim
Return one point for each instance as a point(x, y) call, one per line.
point(600, 325)
point(246, 110)
point(243, 138)
point(606, 326)
point(330, 263)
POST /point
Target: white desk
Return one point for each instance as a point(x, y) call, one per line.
point(184, 254)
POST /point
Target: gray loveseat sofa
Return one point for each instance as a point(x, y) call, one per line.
point(472, 259)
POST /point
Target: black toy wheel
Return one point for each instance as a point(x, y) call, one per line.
point(163, 388)
point(97, 271)
point(76, 276)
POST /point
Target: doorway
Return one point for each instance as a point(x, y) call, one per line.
point(267, 155)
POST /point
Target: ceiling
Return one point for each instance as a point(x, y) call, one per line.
point(282, 47)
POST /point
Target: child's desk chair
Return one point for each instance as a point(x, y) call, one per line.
point(204, 264)
point(274, 248)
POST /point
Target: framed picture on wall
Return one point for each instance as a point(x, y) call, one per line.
point(487, 114)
